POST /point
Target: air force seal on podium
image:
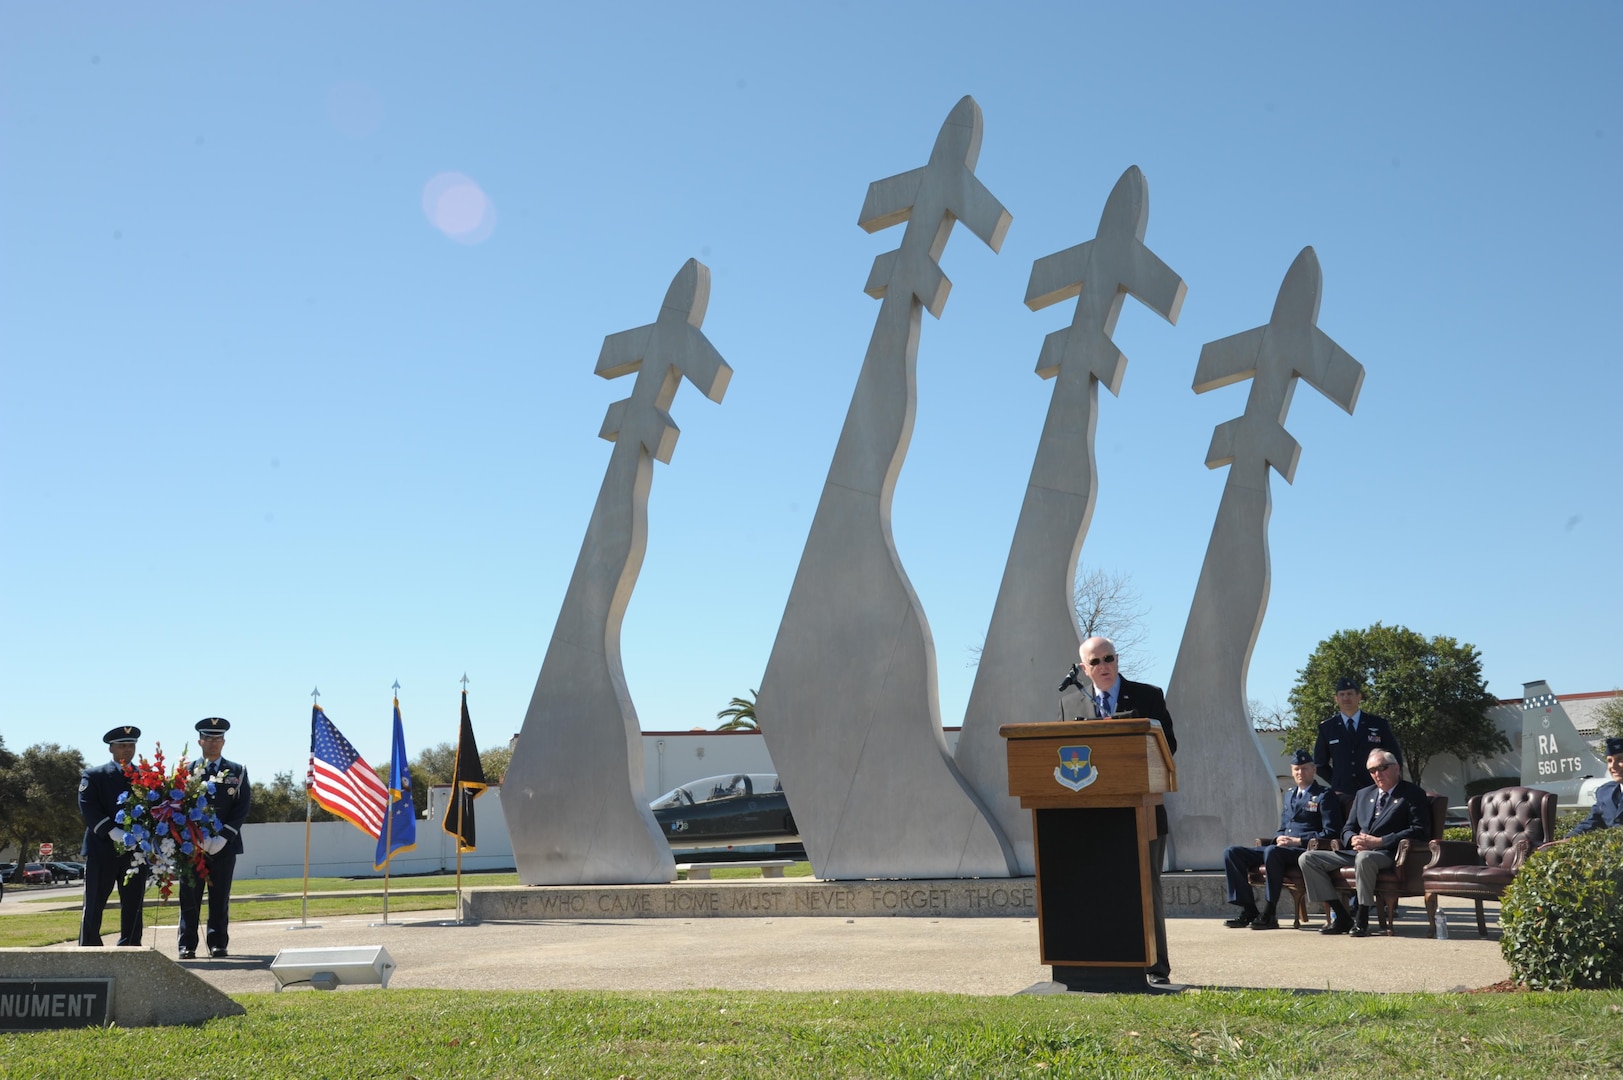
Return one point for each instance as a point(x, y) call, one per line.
point(1075, 770)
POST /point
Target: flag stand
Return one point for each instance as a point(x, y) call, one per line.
point(467, 781)
point(399, 791)
point(304, 901)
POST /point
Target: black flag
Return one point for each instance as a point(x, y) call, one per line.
point(467, 782)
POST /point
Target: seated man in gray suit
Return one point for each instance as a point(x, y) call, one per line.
point(1383, 815)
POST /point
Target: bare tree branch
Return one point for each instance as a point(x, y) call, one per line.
point(1106, 605)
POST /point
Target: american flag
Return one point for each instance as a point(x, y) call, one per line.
point(340, 779)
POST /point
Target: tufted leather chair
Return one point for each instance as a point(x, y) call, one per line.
point(1506, 826)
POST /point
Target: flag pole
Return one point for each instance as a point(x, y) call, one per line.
point(309, 776)
point(388, 820)
point(457, 795)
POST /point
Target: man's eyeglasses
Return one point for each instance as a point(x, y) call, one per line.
point(1097, 660)
point(1382, 768)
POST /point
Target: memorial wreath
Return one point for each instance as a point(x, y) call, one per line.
point(167, 820)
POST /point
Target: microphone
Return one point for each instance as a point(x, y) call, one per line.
point(1071, 678)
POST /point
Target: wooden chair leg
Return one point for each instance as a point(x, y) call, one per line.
point(1481, 921)
point(1431, 912)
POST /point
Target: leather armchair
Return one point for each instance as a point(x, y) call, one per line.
point(1506, 826)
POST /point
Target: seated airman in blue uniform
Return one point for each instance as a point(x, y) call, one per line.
point(1608, 811)
point(1311, 811)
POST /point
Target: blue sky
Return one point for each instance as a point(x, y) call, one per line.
point(267, 425)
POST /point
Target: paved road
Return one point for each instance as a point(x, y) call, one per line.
point(956, 955)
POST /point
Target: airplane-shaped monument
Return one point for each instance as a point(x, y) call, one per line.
point(573, 795)
point(1033, 635)
point(1233, 793)
point(848, 704)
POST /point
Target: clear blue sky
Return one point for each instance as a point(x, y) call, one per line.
point(267, 426)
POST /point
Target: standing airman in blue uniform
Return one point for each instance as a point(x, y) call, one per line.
point(1346, 740)
point(99, 790)
point(229, 801)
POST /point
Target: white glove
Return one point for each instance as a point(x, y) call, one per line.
point(117, 834)
point(213, 845)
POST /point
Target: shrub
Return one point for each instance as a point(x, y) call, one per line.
point(1562, 916)
point(1489, 783)
point(1567, 818)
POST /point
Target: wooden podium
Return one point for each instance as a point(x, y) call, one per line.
point(1094, 789)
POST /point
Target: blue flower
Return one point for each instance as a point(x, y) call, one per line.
point(122, 795)
point(195, 814)
point(153, 796)
point(186, 848)
point(210, 787)
point(178, 794)
point(163, 828)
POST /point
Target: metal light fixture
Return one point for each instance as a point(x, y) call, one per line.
point(327, 969)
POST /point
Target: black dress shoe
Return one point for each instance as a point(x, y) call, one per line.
point(1339, 926)
point(1155, 978)
point(1266, 922)
point(1244, 918)
point(188, 954)
point(218, 953)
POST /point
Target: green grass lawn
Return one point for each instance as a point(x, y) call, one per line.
point(464, 1034)
point(257, 900)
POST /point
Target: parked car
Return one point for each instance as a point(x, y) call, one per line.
point(7, 870)
point(66, 871)
point(36, 874)
point(723, 811)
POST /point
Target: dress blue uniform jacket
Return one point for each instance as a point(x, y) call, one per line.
point(99, 790)
point(1407, 816)
point(1341, 754)
point(229, 801)
point(1313, 814)
point(1607, 813)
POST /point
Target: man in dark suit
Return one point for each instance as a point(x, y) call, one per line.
point(1346, 739)
point(1383, 815)
point(105, 866)
point(1114, 696)
point(1311, 811)
point(229, 801)
point(1608, 811)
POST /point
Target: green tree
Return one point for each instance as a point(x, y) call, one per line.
point(495, 762)
point(435, 765)
point(282, 800)
point(1431, 689)
point(1610, 715)
point(739, 714)
point(42, 786)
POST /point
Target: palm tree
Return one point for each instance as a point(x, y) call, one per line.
point(739, 714)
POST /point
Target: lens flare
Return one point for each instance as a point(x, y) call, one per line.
point(458, 207)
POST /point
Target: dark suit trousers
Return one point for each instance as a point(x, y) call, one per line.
point(101, 874)
point(221, 869)
point(1275, 861)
